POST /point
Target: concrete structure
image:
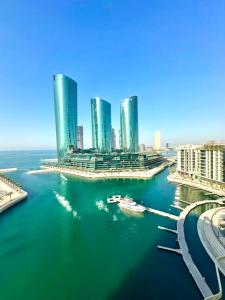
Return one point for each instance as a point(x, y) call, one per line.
point(202, 166)
point(80, 137)
point(157, 141)
point(185, 252)
point(65, 95)
point(211, 235)
point(101, 125)
point(129, 124)
point(113, 138)
point(10, 193)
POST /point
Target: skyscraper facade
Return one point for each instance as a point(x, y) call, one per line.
point(80, 137)
point(113, 138)
point(101, 125)
point(129, 124)
point(157, 140)
point(65, 95)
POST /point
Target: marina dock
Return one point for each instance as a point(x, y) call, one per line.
point(168, 229)
point(161, 213)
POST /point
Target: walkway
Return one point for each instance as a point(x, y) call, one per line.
point(209, 233)
point(198, 278)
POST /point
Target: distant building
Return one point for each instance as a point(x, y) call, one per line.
point(65, 95)
point(142, 148)
point(202, 162)
point(167, 145)
point(157, 140)
point(149, 149)
point(113, 138)
point(80, 137)
point(129, 124)
point(101, 125)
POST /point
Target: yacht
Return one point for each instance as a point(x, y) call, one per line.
point(133, 207)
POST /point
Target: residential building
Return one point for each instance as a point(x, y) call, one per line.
point(202, 162)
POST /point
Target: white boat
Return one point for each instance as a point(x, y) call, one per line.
point(136, 207)
point(127, 200)
point(114, 199)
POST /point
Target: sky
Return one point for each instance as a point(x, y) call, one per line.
point(171, 54)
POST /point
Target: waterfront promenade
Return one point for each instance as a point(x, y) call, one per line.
point(146, 174)
point(10, 193)
point(210, 235)
point(185, 252)
point(174, 177)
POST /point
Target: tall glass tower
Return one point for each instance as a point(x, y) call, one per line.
point(101, 125)
point(65, 94)
point(129, 124)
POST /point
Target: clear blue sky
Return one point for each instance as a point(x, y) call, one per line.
point(171, 54)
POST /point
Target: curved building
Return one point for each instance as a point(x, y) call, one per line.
point(65, 94)
point(101, 125)
point(129, 124)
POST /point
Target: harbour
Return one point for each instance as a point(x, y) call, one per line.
point(99, 235)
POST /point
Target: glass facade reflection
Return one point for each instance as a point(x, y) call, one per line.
point(101, 125)
point(65, 94)
point(129, 124)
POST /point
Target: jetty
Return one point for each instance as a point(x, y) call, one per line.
point(10, 193)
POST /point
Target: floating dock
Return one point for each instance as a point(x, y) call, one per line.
point(178, 251)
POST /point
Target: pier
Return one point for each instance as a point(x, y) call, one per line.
point(177, 207)
point(161, 213)
point(40, 171)
point(178, 251)
point(10, 193)
point(168, 229)
point(8, 170)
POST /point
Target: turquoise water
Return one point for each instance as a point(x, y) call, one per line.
point(84, 248)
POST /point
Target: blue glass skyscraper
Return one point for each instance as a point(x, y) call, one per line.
point(65, 94)
point(101, 125)
point(129, 124)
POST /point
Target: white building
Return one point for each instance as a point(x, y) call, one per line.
point(142, 148)
point(202, 162)
point(157, 140)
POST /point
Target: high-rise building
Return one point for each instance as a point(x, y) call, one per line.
point(157, 140)
point(113, 138)
point(129, 124)
point(80, 137)
point(101, 125)
point(65, 94)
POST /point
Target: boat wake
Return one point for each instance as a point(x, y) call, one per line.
point(101, 206)
point(65, 203)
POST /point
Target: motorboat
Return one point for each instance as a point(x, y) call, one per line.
point(114, 199)
point(132, 207)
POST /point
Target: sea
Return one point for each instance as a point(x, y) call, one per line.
point(65, 242)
